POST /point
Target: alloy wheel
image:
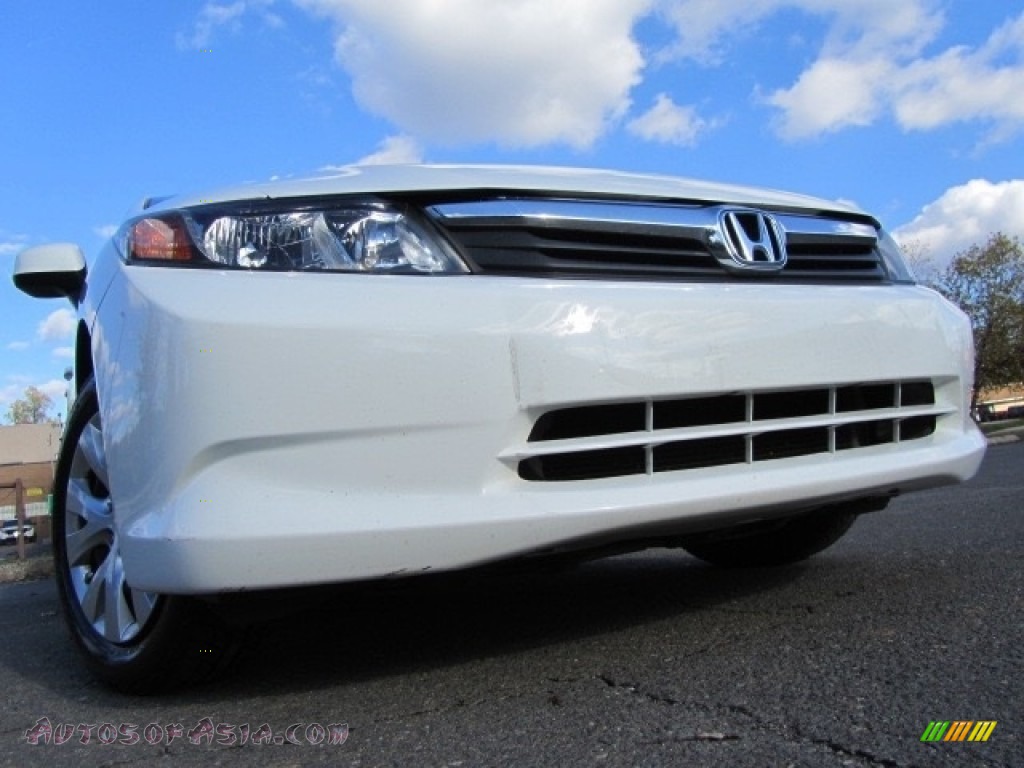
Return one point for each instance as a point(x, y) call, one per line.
point(115, 610)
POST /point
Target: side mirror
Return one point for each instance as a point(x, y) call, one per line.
point(51, 271)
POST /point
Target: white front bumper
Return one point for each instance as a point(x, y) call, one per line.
point(269, 430)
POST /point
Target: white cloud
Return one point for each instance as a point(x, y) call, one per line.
point(393, 150)
point(57, 325)
point(670, 123)
point(12, 244)
point(964, 216)
point(211, 17)
point(831, 95)
point(8, 395)
point(704, 27)
point(215, 16)
point(518, 72)
point(963, 84)
point(528, 73)
point(64, 353)
point(19, 346)
point(873, 62)
point(272, 20)
point(54, 389)
point(105, 232)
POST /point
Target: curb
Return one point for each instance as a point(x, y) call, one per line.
point(1004, 436)
point(1003, 439)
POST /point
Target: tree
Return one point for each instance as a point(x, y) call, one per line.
point(987, 283)
point(919, 259)
point(33, 408)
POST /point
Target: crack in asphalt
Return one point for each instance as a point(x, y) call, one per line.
point(739, 709)
point(657, 698)
point(863, 754)
point(839, 749)
point(714, 708)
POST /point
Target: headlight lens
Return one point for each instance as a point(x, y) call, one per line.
point(368, 238)
point(892, 257)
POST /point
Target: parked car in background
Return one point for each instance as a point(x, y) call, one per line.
point(9, 532)
point(434, 368)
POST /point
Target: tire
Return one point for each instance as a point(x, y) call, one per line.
point(785, 542)
point(133, 641)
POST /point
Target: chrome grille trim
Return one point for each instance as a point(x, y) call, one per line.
point(532, 236)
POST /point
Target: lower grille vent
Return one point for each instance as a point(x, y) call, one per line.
point(636, 438)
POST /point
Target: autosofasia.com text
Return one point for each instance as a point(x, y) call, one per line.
point(204, 731)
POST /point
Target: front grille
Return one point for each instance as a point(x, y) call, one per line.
point(577, 238)
point(672, 435)
point(524, 251)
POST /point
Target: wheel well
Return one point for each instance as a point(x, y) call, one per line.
point(83, 357)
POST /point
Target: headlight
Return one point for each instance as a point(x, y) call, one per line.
point(354, 238)
point(897, 267)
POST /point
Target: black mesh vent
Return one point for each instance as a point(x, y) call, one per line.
point(550, 251)
point(848, 417)
point(699, 412)
point(698, 454)
point(585, 465)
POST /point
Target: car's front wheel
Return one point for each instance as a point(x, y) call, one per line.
point(133, 640)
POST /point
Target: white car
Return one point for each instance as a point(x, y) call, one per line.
point(434, 368)
point(9, 532)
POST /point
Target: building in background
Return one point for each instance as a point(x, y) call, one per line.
point(29, 452)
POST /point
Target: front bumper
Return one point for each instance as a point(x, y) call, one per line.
point(270, 430)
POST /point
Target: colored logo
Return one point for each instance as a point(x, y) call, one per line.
point(958, 730)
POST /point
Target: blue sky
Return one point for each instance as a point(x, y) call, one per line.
point(912, 109)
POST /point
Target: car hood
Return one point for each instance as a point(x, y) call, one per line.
point(384, 179)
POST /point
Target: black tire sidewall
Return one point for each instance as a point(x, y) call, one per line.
point(793, 541)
